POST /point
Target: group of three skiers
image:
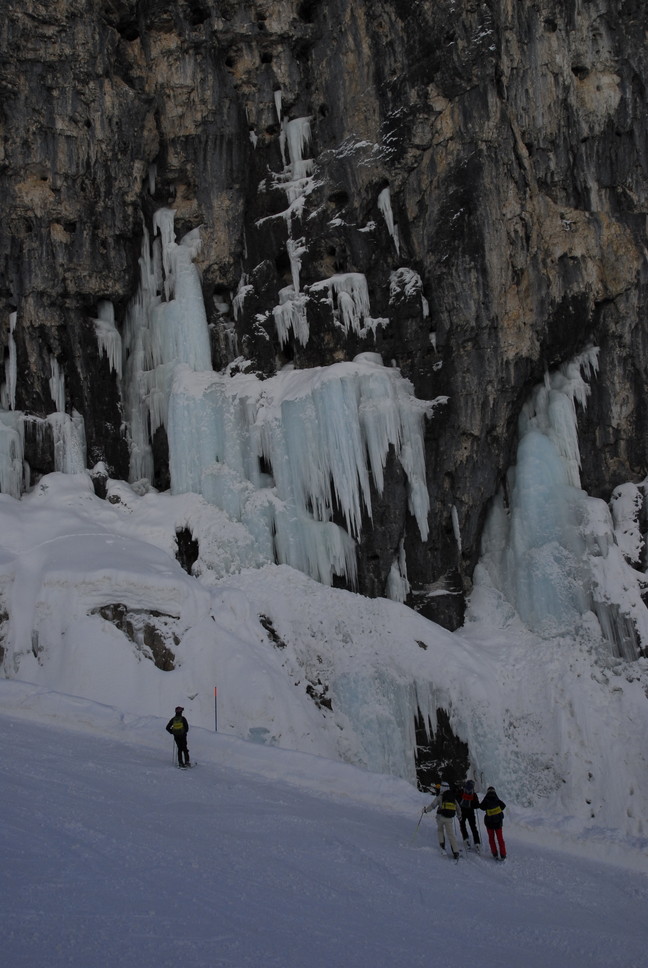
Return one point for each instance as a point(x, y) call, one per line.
point(463, 805)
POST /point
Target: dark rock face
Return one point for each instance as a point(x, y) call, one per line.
point(511, 139)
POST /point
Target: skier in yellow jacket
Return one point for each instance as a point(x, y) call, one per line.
point(179, 727)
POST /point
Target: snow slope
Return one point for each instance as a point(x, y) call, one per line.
point(265, 857)
point(556, 725)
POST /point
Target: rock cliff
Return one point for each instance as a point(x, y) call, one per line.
point(483, 165)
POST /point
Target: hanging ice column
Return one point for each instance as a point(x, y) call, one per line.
point(166, 325)
point(553, 551)
point(297, 181)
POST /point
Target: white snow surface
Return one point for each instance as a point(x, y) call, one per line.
point(267, 857)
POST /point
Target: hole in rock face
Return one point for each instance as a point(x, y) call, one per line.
point(339, 198)
point(283, 267)
point(128, 30)
point(266, 57)
point(198, 12)
point(307, 10)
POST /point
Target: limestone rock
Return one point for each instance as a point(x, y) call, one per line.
point(494, 151)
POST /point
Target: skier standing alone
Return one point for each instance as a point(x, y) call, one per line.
point(179, 727)
point(447, 809)
point(494, 820)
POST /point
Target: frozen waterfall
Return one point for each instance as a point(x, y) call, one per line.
point(280, 455)
point(555, 553)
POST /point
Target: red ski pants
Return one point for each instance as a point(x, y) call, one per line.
point(492, 834)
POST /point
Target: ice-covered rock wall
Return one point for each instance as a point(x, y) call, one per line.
point(457, 187)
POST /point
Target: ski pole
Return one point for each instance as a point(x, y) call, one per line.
point(418, 824)
point(172, 751)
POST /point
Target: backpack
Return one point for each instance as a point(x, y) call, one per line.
point(177, 725)
point(448, 806)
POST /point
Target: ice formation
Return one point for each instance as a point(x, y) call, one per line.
point(385, 206)
point(165, 324)
point(277, 455)
point(57, 385)
point(8, 394)
point(408, 282)
point(11, 452)
point(551, 549)
point(108, 336)
point(320, 434)
point(68, 433)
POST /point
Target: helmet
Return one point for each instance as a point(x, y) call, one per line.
point(469, 786)
point(179, 709)
point(491, 790)
point(445, 786)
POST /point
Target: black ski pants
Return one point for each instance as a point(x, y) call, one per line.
point(469, 817)
point(183, 752)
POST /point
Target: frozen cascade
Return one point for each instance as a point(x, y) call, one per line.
point(69, 442)
point(165, 325)
point(385, 206)
point(57, 385)
point(398, 587)
point(11, 452)
point(108, 336)
point(290, 314)
point(553, 551)
point(8, 395)
point(320, 431)
point(279, 454)
point(349, 298)
point(296, 180)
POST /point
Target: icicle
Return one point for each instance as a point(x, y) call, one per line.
point(352, 296)
point(163, 223)
point(385, 206)
point(11, 369)
point(398, 587)
point(108, 336)
point(296, 250)
point(455, 526)
point(57, 385)
point(298, 135)
point(290, 314)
